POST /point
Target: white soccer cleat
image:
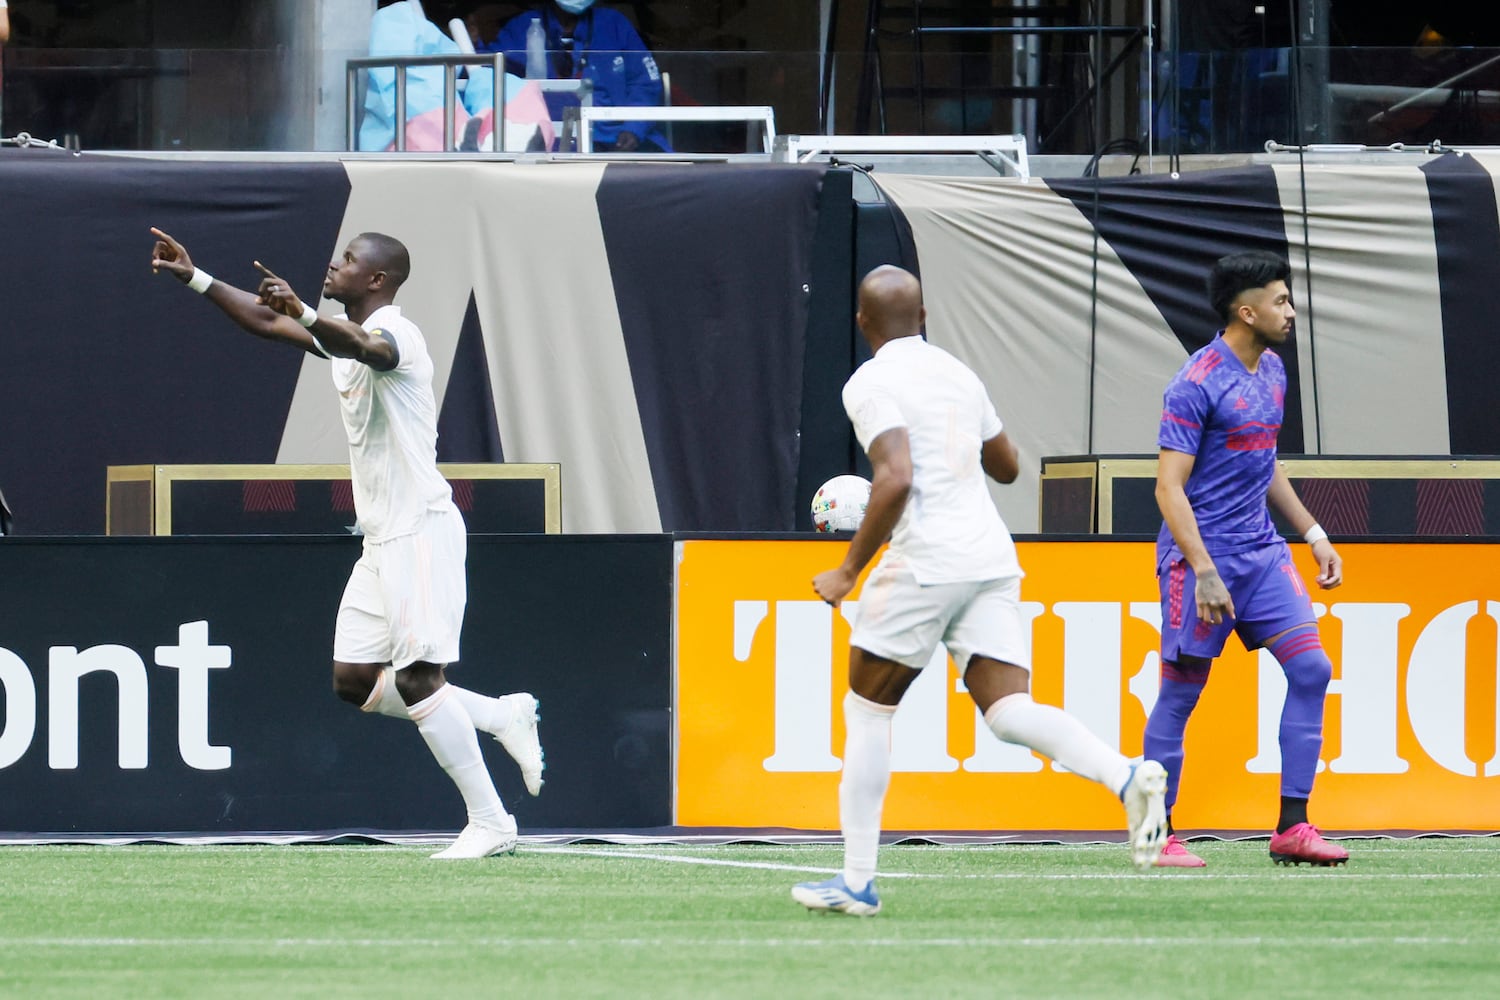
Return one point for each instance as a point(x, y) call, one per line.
point(521, 741)
point(835, 896)
point(1145, 795)
point(479, 841)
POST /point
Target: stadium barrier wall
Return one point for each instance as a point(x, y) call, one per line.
point(1410, 731)
point(1411, 496)
point(182, 685)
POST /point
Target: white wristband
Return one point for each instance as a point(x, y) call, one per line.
point(309, 316)
point(200, 280)
point(1314, 534)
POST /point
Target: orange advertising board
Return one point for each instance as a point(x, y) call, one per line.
point(1410, 722)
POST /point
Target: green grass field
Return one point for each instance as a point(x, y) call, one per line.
point(1405, 918)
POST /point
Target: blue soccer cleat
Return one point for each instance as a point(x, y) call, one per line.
point(835, 896)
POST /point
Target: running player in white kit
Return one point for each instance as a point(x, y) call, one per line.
point(950, 576)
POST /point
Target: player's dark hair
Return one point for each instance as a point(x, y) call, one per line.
point(390, 255)
point(1240, 272)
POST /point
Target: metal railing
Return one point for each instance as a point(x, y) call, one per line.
point(750, 114)
point(998, 150)
point(400, 64)
point(354, 105)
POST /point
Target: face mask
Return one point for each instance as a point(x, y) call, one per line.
point(575, 6)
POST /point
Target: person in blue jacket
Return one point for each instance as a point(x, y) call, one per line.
point(600, 45)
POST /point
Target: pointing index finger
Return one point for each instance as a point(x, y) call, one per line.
point(264, 270)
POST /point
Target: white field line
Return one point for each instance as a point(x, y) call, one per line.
point(1000, 850)
point(1492, 846)
point(1173, 941)
point(1494, 849)
point(687, 859)
point(628, 854)
point(700, 856)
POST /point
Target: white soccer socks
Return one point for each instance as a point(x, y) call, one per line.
point(449, 733)
point(867, 774)
point(384, 698)
point(493, 715)
point(1053, 732)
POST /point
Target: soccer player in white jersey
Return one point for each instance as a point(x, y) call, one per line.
point(403, 607)
point(950, 576)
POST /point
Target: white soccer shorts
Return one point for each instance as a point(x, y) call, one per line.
point(902, 620)
point(405, 598)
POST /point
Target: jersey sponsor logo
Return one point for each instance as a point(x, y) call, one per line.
point(1254, 436)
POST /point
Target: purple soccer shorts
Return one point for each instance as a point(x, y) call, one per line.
point(1268, 593)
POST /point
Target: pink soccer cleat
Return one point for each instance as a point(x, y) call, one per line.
point(1302, 843)
point(1176, 855)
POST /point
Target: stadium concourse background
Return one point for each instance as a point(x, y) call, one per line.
point(675, 336)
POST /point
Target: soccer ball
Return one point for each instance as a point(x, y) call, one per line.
point(839, 504)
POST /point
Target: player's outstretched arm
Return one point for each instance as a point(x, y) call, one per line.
point(890, 461)
point(1283, 496)
point(252, 313)
point(341, 338)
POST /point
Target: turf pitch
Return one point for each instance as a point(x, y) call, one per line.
point(1405, 918)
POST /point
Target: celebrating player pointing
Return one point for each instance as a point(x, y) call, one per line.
point(402, 609)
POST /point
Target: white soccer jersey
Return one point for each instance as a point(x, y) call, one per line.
point(950, 531)
point(391, 422)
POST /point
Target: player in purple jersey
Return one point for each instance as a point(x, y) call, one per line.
point(1216, 474)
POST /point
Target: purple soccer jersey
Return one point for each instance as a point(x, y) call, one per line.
point(1228, 418)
